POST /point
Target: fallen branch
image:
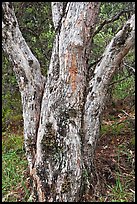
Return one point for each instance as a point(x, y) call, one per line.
point(128, 114)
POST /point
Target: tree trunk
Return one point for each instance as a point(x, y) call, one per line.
point(62, 113)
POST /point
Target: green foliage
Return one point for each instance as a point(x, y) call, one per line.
point(115, 128)
point(37, 28)
point(12, 110)
point(124, 87)
point(11, 101)
point(35, 21)
point(107, 11)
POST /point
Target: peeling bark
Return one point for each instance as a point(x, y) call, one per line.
point(62, 114)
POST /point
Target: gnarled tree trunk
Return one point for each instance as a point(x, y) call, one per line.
point(62, 113)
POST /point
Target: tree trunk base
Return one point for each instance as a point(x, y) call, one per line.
point(92, 191)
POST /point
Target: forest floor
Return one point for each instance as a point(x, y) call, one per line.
point(115, 156)
point(114, 160)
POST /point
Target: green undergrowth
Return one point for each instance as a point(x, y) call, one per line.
point(123, 190)
point(113, 129)
point(123, 88)
point(14, 166)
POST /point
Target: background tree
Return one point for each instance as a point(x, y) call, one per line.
point(62, 114)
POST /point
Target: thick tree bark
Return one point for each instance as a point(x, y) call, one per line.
point(62, 114)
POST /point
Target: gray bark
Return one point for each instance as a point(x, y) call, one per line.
point(28, 75)
point(62, 114)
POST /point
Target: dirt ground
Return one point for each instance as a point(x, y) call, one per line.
point(115, 155)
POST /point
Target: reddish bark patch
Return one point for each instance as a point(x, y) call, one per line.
point(73, 73)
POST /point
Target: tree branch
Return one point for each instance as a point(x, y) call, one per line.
point(57, 13)
point(114, 18)
point(103, 73)
point(26, 65)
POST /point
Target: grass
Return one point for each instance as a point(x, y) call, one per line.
point(14, 165)
point(123, 189)
point(120, 192)
point(114, 128)
point(11, 142)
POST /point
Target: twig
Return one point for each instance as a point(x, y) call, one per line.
point(129, 175)
point(114, 18)
point(126, 113)
point(122, 167)
point(132, 190)
point(119, 80)
point(131, 69)
point(94, 63)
